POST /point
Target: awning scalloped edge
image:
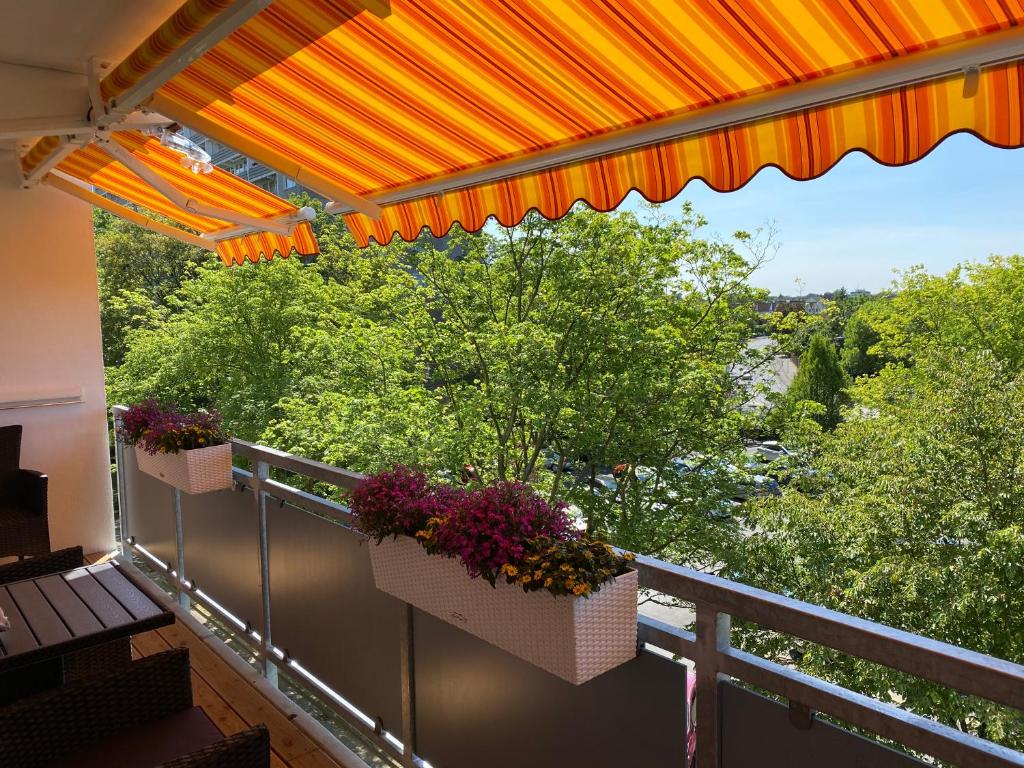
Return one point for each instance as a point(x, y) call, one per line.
point(252, 247)
point(895, 128)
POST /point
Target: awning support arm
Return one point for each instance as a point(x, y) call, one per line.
point(280, 163)
point(71, 186)
point(282, 226)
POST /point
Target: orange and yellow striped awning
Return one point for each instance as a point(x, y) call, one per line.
point(428, 113)
point(95, 167)
point(378, 104)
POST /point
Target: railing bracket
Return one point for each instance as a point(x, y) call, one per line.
point(378, 725)
point(800, 715)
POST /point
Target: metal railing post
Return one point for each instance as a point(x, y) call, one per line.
point(712, 637)
point(122, 507)
point(179, 549)
point(408, 672)
point(261, 472)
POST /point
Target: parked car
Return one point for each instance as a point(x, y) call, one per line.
point(607, 482)
point(768, 450)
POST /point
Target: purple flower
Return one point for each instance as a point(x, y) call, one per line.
point(399, 503)
point(494, 525)
point(161, 428)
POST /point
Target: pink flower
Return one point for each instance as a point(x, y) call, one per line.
point(494, 525)
point(399, 502)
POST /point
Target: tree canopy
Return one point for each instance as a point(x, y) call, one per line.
point(913, 510)
point(604, 340)
point(821, 380)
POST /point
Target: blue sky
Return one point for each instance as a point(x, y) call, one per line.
point(855, 225)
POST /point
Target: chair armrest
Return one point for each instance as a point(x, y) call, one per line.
point(44, 728)
point(32, 488)
point(248, 749)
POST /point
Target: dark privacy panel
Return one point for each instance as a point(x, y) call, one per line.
point(148, 505)
point(220, 528)
point(757, 733)
point(329, 616)
point(478, 705)
point(222, 549)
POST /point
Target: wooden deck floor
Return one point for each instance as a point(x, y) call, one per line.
point(230, 700)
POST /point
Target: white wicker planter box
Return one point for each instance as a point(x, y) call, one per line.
point(197, 471)
point(575, 638)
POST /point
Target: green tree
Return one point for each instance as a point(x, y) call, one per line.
point(858, 356)
point(910, 512)
point(915, 520)
point(602, 339)
point(565, 349)
point(820, 379)
point(294, 354)
point(974, 306)
point(138, 271)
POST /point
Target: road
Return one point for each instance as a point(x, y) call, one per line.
point(778, 374)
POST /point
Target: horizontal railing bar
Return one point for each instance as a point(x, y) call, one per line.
point(968, 671)
point(666, 636)
point(317, 470)
point(886, 720)
point(309, 502)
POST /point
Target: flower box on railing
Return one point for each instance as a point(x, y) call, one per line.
point(575, 638)
point(199, 470)
point(188, 451)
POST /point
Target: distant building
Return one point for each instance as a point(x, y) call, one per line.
point(812, 304)
point(256, 173)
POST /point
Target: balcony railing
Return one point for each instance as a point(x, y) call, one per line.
point(287, 569)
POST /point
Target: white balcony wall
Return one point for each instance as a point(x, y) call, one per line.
point(50, 346)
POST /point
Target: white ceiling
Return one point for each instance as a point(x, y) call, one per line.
point(45, 47)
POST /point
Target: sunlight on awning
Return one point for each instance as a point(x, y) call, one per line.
point(412, 115)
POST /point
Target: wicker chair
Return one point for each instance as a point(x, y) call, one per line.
point(140, 716)
point(43, 565)
point(24, 530)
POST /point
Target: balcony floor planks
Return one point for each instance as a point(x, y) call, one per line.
point(230, 701)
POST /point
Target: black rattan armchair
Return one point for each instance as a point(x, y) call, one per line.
point(141, 716)
point(43, 565)
point(24, 529)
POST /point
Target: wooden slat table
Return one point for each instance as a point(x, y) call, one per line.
point(53, 617)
